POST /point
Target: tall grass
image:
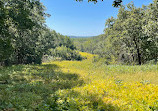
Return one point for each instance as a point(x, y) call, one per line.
point(79, 86)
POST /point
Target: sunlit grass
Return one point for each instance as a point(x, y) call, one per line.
point(98, 71)
point(122, 87)
point(79, 85)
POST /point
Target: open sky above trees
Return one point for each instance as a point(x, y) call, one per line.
point(69, 17)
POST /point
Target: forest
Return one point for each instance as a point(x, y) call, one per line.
point(131, 38)
point(42, 70)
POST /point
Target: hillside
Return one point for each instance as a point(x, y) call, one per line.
point(90, 44)
point(80, 36)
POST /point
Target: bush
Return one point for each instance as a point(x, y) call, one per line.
point(104, 60)
point(62, 53)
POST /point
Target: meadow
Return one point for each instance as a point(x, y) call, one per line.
point(79, 86)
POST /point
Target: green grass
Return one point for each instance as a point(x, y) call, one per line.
point(78, 86)
point(28, 86)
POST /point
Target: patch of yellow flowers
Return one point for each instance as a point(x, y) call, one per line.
point(131, 94)
point(126, 96)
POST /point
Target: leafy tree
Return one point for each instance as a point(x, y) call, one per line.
point(21, 26)
point(65, 53)
point(132, 27)
point(131, 38)
point(150, 30)
point(5, 43)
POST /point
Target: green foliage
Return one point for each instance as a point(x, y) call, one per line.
point(78, 85)
point(21, 26)
point(24, 37)
point(30, 87)
point(66, 41)
point(89, 45)
point(63, 53)
point(5, 50)
point(131, 38)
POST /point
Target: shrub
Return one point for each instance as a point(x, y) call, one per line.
point(62, 53)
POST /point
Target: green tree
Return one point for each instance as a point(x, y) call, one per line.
point(22, 25)
point(133, 30)
point(150, 30)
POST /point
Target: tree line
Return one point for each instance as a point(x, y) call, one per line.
point(24, 36)
point(131, 38)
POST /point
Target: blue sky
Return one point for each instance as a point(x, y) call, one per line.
point(69, 17)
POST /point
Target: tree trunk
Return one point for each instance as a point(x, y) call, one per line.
point(139, 56)
point(19, 56)
point(138, 52)
point(156, 58)
point(6, 63)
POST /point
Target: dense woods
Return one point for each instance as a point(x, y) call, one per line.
point(24, 37)
point(131, 38)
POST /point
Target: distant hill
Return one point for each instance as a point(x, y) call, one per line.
point(80, 36)
point(89, 44)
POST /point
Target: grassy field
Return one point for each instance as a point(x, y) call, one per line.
point(79, 85)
